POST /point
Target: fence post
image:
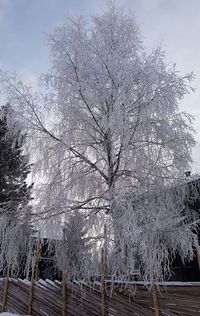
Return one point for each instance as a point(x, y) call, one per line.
point(5, 293)
point(64, 275)
point(104, 271)
point(155, 299)
point(64, 293)
point(34, 277)
point(198, 251)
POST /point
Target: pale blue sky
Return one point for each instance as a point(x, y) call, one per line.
point(24, 25)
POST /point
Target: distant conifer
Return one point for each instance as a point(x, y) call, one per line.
point(14, 166)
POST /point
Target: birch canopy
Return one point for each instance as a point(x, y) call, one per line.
point(109, 126)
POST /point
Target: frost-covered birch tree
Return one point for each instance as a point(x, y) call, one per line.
point(109, 127)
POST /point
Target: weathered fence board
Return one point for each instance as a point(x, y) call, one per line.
point(85, 299)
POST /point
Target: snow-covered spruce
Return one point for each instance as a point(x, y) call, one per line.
point(15, 210)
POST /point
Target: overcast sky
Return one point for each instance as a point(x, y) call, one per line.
point(175, 24)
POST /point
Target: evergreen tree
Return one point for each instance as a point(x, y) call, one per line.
point(15, 211)
point(14, 166)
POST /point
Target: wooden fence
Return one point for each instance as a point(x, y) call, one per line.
point(174, 299)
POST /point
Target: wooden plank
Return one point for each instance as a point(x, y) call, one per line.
point(83, 299)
